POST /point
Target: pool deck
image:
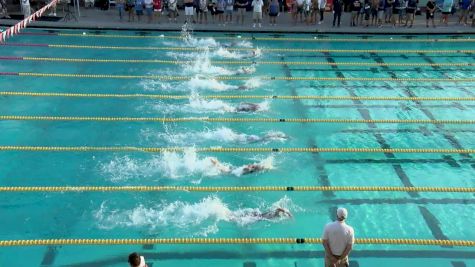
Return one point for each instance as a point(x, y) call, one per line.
point(109, 20)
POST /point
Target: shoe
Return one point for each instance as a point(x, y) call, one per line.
point(254, 25)
point(319, 22)
point(260, 25)
point(410, 26)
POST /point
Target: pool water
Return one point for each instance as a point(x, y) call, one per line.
point(417, 215)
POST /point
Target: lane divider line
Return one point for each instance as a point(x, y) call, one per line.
point(282, 97)
point(233, 149)
point(232, 188)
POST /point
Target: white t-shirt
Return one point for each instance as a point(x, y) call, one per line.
point(257, 4)
point(339, 235)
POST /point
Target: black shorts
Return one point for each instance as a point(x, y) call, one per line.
point(410, 11)
point(219, 12)
point(446, 13)
point(273, 14)
point(429, 15)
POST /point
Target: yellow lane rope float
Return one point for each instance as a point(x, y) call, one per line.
point(299, 50)
point(303, 39)
point(290, 97)
point(281, 240)
point(205, 119)
point(232, 149)
point(247, 62)
point(239, 78)
point(231, 188)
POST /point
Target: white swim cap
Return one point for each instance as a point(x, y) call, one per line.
point(341, 213)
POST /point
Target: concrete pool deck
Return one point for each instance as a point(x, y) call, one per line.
point(109, 20)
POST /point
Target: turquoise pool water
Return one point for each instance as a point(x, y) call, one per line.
point(192, 214)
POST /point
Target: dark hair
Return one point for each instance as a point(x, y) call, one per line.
point(134, 259)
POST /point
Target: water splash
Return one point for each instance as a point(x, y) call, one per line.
point(220, 135)
point(200, 218)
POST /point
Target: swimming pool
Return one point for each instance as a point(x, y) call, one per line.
point(293, 77)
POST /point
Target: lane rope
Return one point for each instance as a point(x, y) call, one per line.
point(299, 50)
point(283, 97)
point(205, 119)
point(238, 62)
point(283, 240)
point(232, 149)
point(232, 188)
point(233, 78)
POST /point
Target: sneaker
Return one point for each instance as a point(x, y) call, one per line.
point(320, 22)
point(254, 25)
point(260, 25)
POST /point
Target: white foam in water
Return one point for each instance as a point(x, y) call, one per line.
point(221, 135)
point(224, 53)
point(200, 218)
point(266, 164)
point(199, 83)
point(202, 65)
point(253, 83)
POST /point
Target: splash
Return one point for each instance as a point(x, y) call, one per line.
point(170, 165)
point(220, 135)
point(264, 165)
point(200, 218)
point(202, 65)
point(200, 83)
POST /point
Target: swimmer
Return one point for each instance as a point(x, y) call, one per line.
point(247, 107)
point(275, 136)
point(252, 168)
point(272, 214)
point(247, 70)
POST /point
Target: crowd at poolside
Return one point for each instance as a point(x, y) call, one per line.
point(360, 13)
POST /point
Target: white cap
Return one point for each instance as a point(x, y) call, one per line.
point(142, 262)
point(341, 213)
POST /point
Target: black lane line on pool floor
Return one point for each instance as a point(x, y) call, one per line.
point(447, 159)
point(319, 161)
point(402, 106)
point(430, 220)
point(364, 113)
point(282, 254)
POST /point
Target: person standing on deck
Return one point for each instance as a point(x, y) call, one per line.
point(338, 239)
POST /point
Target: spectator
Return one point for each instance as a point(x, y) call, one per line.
point(355, 12)
point(3, 10)
point(388, 10)
point(212, 9)
point(472, 12)
point(220, 6)
point(25, 8)
point(374, 12)
point(257, 12)
point(337, 9)
point(229, 11)
point(294, 10)
point(307, 7)
point(120, 7)
point(274, 8)
point(203, 11)
point(172, 10)
point(300, 9)
point(135, 260)
point(338, 239)
point(321, 7)
point(402, 8)
point(446, 11)
point(430, 10)
point(367, 12)
point(157, 9)
point(314, 12)
point(139, 9)
point(411, 10)
point(464, 6)
point(149, 10)
point(130, 8)
point(395, 12)
point(188, 11)
point(381, 8)
point(265, 7)
point(241, 10)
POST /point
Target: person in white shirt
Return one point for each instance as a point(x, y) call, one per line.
point(338, 239)
point(25, 8)
point(257, 14)
point(321, 7)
